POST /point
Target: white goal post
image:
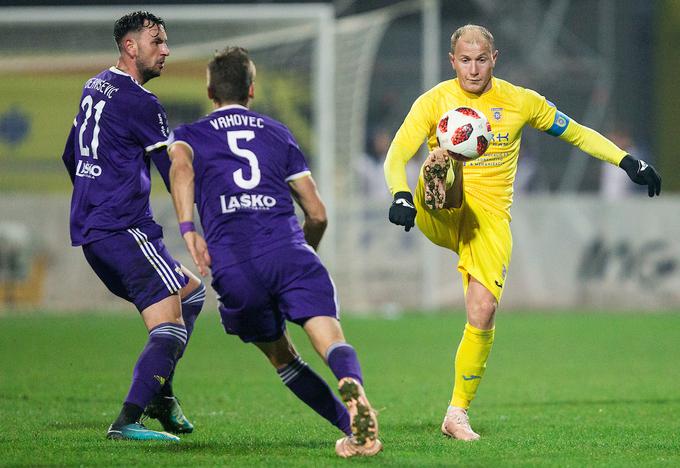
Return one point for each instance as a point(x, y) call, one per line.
point(307, 59)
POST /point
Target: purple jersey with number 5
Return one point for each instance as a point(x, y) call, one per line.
point(243, 162)
point(107, 155)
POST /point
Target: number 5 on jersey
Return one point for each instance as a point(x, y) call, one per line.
point(232, 141)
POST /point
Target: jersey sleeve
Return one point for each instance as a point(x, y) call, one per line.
point(296, 164)
point(180, 135)
point(540, 113)
point(69, 154)
point(544, 116)
point(413, 131)
point(592, 142)
point(150, 124)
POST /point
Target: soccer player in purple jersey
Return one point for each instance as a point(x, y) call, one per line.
point(120, 126)
point(240, 168)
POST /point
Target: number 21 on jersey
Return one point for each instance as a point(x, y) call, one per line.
point(87, 104)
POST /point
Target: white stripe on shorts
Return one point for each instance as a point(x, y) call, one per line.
point(156, 261)
point(167, 268)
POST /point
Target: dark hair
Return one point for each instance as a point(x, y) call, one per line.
point(231, 74)
point(134, 21)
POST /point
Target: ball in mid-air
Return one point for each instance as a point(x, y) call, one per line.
point(464, 132)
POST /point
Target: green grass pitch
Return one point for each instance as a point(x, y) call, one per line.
point(561, 389)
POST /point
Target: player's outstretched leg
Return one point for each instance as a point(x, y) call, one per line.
point(165, 407)
point(435, 170)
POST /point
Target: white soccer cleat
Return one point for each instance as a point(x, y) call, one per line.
point(435, 171)
point(457, 425)
point(364, 439)
point(348, 447)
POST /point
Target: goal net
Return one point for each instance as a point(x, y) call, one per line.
point(314, 74)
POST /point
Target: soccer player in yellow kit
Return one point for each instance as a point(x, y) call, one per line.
point(465, 207)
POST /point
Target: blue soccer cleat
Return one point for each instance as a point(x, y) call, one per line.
point(168, 412)
point(137, 431)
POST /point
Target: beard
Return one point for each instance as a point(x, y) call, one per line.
point(146, 72)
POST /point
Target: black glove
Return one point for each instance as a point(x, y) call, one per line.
point(642, 174)
point(402, 211)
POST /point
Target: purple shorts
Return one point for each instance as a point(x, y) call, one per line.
point(258, 296)
point(135, 265)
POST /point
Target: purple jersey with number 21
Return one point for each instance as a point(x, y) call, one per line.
point(118, 124)
point(243, 162)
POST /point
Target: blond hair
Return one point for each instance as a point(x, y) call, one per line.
point(474, 29)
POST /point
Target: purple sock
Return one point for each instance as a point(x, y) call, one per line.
point(156, 362)
point(315, 393)
point(191, 307)
point(343, 361)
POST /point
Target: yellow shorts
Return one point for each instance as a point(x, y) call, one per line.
point(482, 240)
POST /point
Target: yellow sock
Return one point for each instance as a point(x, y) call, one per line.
point(471, 358)
point(450, 175)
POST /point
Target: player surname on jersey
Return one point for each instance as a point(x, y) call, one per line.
point(104, 87)
point(237, 120)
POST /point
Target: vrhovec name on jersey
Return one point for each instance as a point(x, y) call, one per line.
point(88, 170)
point(237, 120)
point(248, 201)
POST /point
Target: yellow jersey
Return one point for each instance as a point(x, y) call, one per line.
point(508, 108)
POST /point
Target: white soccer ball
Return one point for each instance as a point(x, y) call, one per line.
point(464, 132)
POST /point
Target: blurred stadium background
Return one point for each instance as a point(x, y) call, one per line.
point(342, 75)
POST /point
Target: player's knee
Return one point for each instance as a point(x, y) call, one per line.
point(280, 352)
point(282, 358)
point(481, 313)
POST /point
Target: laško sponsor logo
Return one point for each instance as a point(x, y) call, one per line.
point(89, 170)
point(249, 201)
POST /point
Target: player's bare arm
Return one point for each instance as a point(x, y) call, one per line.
point(307, 196)
point(182, 189)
